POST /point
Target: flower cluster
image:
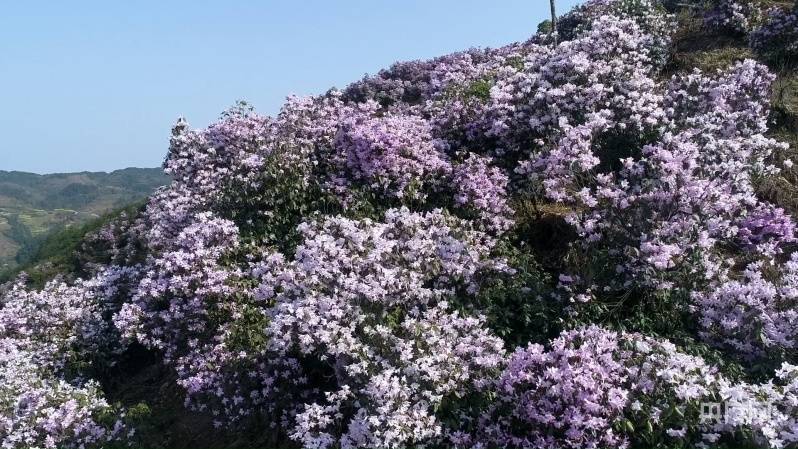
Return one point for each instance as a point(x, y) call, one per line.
point(648, 14)
point(679, 198)
point(777, 38)
point(40, 409)
point(369, 300)
point(569, 396)
point(394, 155)
point(753, 315)
point(608, 69)
point(767, 410)
point(180, 287)
point(483, 188)
point(738, 16)
point(766, 230)
point(46, 338)
point(598, 388)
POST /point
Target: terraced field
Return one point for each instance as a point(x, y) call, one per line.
point(34, 206)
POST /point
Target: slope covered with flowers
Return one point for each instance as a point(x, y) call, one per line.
point(548, 244)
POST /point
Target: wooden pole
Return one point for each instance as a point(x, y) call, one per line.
point(553, 21)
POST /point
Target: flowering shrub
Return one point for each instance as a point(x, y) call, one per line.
point(556, 88)
point(39, 409)
point(483, 188)
point(47, 341)
point(648, 14)
point(598, 388)
point(679, 198)
point(392, 155)
point(369, 300)
point(738, 16)
point(754, 315)
point(768, 410)
point(361, 269)
point(190, 277)
point(766, 230)
point(777, 38)
point(191, 321)
point(567, 397)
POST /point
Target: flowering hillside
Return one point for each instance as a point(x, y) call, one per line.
point(576, 242)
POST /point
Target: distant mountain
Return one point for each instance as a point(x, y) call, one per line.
point(90, 192)
point(33, 206)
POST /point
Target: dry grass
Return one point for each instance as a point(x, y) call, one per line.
point(765, 4)
point(785, 102)
point(712, 60)
point(783, 188)
point(696, 47)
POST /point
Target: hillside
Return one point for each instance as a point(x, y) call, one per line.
point(33, 206)
point(586, 239)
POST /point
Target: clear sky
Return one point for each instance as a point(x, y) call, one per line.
point(96, 85)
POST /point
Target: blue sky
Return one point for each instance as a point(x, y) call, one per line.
point(96, 85)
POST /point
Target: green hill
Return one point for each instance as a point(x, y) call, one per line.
point(33, 207)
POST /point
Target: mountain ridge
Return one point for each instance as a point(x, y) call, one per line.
point(34, 206)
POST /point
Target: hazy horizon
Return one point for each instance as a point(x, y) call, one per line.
point(97, 86)
point(3, 170)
